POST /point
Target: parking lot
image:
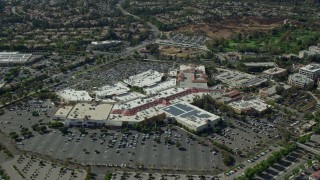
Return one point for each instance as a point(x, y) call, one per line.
point(246, 136)
point(283, 165)
point(134, 176)
point(25, 167)
point(133, 149)
point(114, 73)
point(181, 38)
point(21, 114)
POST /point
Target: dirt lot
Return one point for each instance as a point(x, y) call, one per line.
point(225, 29)
point(180, 52)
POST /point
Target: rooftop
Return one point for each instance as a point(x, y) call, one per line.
point(14, 57)
point(154, 89)
point(169, 92)
point(192, 76)
point(300, 78)
point(261, 64)
point(86, 111)
point(132, 104)
point(275, 70)
point(184, 67)
point(109, 90)
point(190, 114)
point(74, 95)
point(104, 42)
point(256, 104)
point(311, 67)
point(144, 79)
point(63, 112)
point(128, 96)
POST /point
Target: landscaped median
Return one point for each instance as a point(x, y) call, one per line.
point(265, 164)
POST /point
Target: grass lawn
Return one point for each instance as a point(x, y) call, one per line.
point(287, 41)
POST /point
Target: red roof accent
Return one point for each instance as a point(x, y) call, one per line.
point(316, 175)
point(233, 93)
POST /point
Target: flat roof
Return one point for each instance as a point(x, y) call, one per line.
point(75, 95)
point(253, 82)
point(87, 111)
point(14, 57)
point(63, 111)
point(237, 78)
point(154, 89)
point(129, 96)
point(105, 42)
point(261, 64)
point(189, 66)
point(116, 89)
point(256, 104)
point(190, 114)
point(311, 67)
point(147, 78)
point(132, 104)
point(169, 92)
point(300, 78)
point(275, 70)
point(140, 116)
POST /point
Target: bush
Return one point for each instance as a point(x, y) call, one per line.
point(265, 164)
point(304, 139)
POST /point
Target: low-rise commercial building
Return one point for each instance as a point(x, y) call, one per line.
point(100, 45)
point(145, 79)
point(275, 72)
point(300, 81)
point(191, 116)
point(16, 58)
point(312, 71)
point(74, 96)
point(251, 106)
point(313, 51)
point(192, 76)
point(112, 90)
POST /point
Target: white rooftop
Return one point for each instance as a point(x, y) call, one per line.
point(74, 95)
point(109, 90)
point(169, 92)
point(154, 89)
point(128, 96)
point(275, 70)
point(140, 116)
point(311, 67)
point(104, 42)
point(133, 103)
point(300, 78)
point(14, 57)
point(63, 112)
point(144, 79)
point(186, 67)
point(261, 64)
point(256, 104)
point(86, 111)
point(190, 114)
point(234, 78)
